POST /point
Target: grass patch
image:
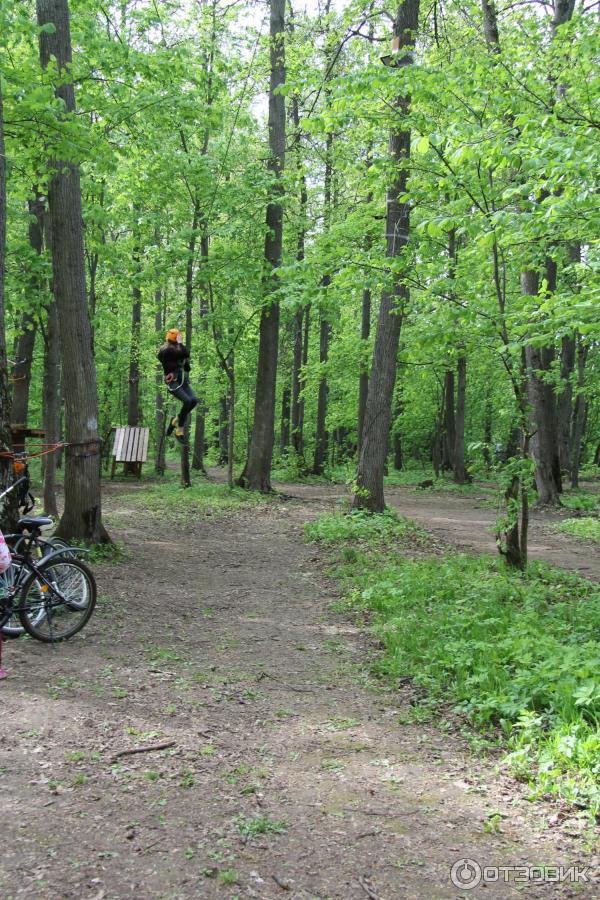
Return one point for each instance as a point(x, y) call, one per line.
point(586, 527)
point(519, 656)
point(360, 526)
point(179, 505)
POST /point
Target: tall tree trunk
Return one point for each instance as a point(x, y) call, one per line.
point(488, 414)
point(363, 378)
point(397, 442)
point(460, 472)
point(51, 391)
point(82, 515)
point(579, 414)
point(133, 402)
point(51, 407)
point(542, 412)
point(296, 431)
point(201, 409)
point(189, 305)
point(378, 412)
point(223, 428)
point(449, 422)
point(284, 434)
point(25, 343)
point(160, 464)
point(257, 471)
point(296, 410)
point(564, 401)
point(8, 504)
point(321, 435)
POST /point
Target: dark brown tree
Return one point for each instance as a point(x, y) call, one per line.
point(82, 515)
point(25, 343)
point(7, 506)
point(376, 429)
point(257, 471)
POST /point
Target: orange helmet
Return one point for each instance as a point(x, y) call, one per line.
point(173, 334)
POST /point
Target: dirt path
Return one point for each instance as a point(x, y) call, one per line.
point(290, 773)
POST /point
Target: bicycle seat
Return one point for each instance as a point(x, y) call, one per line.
point(34, 523)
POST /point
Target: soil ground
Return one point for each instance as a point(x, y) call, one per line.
point(293, 772)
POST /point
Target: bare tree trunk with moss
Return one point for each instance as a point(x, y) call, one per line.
point(257, 471)
point(376, 429)
point(82, 515)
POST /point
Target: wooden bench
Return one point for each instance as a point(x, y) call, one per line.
point(131, 449)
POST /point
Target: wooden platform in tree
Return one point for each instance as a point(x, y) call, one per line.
point(130, 448)
point(20, 432)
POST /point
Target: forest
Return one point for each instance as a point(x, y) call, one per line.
point(366, 233)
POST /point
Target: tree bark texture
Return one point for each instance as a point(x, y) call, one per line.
point(133, 400)
point(25, 343)
point(82, 515)
point(542, 412)
point(376, 429)
point(7, 505)
point(449, 422)
point(564, 401)
point(160, 464)
point(579, 414)
point(321, 435)
point(257, 471)
point(460, 472)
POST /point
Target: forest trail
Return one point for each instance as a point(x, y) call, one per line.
point(291, 774)
point(467, 522)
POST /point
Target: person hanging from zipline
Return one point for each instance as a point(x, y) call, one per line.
point(175, 360)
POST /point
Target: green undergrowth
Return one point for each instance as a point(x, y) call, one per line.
point(518, 656)
point(174, 503)
point(361, 527)
point(586, 527)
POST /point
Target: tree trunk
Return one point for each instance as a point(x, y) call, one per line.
point(449, 423)
point(460, 472)
point(284, 440)
point(321, 434)
point(376, 429)
point(201, 409)
point(160, 464)
point(579, 414)
point(8, 509)
point(257, 471)
point(25, 343)
point(223, 429)
point(363, 378)
point(133, 402)
point(397, 443)
point(542, 413)
point(564, 402)
point(487, 432)
point(51, 412)
point(82, 515)
point(296, 411)
point(296, 430)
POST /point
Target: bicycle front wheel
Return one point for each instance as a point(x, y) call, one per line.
point(58, 600)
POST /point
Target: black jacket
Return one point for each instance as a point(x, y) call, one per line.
point(173, 357)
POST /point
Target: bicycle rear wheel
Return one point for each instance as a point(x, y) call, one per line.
point(57, 601)
point(10, 623)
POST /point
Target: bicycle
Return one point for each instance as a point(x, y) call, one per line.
point(53, 598)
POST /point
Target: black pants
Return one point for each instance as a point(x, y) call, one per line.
point(188, 398)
